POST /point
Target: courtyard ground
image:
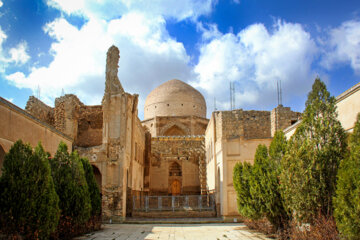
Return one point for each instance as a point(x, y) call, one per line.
point(206, 231)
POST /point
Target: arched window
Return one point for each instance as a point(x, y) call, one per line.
point(175, 169)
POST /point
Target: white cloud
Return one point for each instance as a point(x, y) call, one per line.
point(19, 54)
point(255, 59)
point(1, 3)
point(149, 56)
point(179, 10)
point(344, 46)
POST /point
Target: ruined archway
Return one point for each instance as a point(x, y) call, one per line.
point(98, 177)
point(2, 158)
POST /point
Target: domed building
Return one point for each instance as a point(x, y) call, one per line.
point(174, 151)
point(175, 109)
point(175, 116)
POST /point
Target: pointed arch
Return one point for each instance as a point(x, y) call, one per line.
point(175, 129)
point(175, 169)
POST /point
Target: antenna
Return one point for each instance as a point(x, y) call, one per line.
point(215, 109)
point(62, 92)
point(279, 92)
point(232, 95)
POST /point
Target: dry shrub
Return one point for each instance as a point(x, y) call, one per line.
point(67, 230)
point(324, 228)
point(261, 225)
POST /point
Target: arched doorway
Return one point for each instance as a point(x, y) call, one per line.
point(2, 158)
point(175, 179)
point(97, 175)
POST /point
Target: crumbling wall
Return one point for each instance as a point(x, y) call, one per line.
point(40, 110)
point(67, 109)
point(90, 125)
point(283, 117)
point(257, 124)
point(246, 124)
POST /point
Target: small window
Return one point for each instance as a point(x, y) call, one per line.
point(167, 104)
point(182, 104)
point(194, 106)
point(155, 106)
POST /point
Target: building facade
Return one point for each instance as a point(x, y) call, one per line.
point(174, 151)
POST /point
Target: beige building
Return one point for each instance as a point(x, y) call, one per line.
point(174, 153)
point(231, 137)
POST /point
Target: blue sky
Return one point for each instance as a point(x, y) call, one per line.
point(60, 45)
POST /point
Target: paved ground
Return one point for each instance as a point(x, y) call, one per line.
point(207, 231)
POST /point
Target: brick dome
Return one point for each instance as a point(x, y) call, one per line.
point(174, 98)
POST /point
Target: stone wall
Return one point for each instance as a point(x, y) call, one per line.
point(67, 110)
point(40, 110)
point(90, 124)
point(283, 117)
point(186, 152)
point(240, 123)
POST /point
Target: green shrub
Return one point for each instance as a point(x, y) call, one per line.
point(347, 200)
point(70, 184)
point(314, 152)
point(28, 201)
point(93, 188)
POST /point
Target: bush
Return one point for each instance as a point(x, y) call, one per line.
point(347, 200)
point(70, 184)
point(28, 201)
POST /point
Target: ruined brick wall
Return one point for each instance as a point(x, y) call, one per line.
point(247, 124)
point(257, 124)
point(188, 153)
point(40, 110)
point(90, 122)
point(67, 109)
point(282, 117)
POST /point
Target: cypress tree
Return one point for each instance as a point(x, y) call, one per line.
point(71, 186)
point(314, 152)
point(28, 201)
point(93, 188)
point(242, 175)
point(347, 200)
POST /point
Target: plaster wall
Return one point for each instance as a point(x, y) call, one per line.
point(16, 124)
